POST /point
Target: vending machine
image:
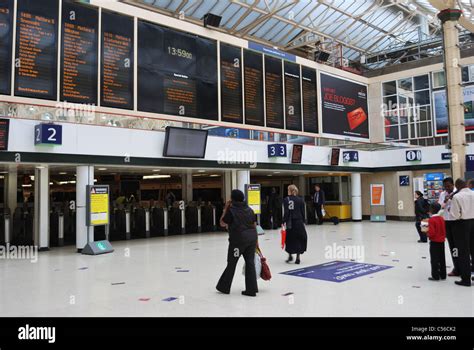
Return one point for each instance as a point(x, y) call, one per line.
point(433, 183)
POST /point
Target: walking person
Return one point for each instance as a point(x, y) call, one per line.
point(437, 236)
point(421, 213)
point(240, 220)
point(445, 200)
point(319, 200)
point(296, 237)
point(462, 209)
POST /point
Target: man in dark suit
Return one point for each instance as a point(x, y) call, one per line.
point(319, 199)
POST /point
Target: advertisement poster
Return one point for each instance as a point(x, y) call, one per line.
point(441, 111)
point(377, 195)
point(344, 107)
point(253, 198)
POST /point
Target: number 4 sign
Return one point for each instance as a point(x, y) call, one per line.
point(48, 134)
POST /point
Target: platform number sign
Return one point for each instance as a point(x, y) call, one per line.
point(350, 156)
point(48, 134)
point(277, 150)
point(413, 156)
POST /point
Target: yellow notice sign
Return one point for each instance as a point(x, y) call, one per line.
point(98, 205)
point(253, 198)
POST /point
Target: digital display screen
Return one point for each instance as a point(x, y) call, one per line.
point(293, 96)
point(6, 39)
point(274, 92)
point(185, 143)
point(297, 154)
point(253, 87)
point(37, 49)
point(117, 61)
point(79, 35)
point(231, 84)
point(177, 73)
point(335, 153)
point(4, 129)
point(310, 100)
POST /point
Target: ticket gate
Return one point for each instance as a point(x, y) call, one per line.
point(118, 229)
point(22, 228)
point(157, 222)
point(207, 220)
point(4, 225)
point(192, 219)
point(54, 228)
point(138, 220)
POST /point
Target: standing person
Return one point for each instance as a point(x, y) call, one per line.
point(462, 209)
point(170, 199)
point(437, 235)
point(445, 199)
point(273, 206)
point(239, 218)
point(296, 237)
point(421, 212)
point(319, 199)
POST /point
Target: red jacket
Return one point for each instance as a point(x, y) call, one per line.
point(437, 229)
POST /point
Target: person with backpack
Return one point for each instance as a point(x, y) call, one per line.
point(422, 207)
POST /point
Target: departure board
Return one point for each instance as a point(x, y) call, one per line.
point(253, 88)
point(37, 49)
point(274, 92)
point(79, 67)
point(293, 96)
point(310, 100)
point(4, 130)
point(6, 38)
point(231, 84)
point(177, 73)
point(117, 60)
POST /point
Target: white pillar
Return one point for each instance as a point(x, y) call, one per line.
point(84, 177)
point(41, 210)
point(11, 190)
point(243, 178)
point(189, 187)
point(302, 185)
point(227, 185)
point(356, 190)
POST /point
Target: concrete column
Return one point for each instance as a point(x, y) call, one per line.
point(187, 186)
point(41, 210)
point(11, 191)
point(452, 56)
point(243, 178)
point(227, 185)
point(302, 185)
point(356, 191)
point(84, 233)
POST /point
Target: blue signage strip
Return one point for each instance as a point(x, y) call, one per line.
point(337, 271)
point(272, 52)
point(434, 177)
point(277, 150)
point(350, 156)
point(48, 134)
point(470, 162)
point(446, 156)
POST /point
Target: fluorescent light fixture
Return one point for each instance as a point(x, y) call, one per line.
point(152, 177)
point(63, 173)
point(201, 171)
point(102, 169)
point(215, 175)
point(156, 170)
point(29, 185)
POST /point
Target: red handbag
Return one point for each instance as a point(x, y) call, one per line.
point(265, 274)
point(283, 236)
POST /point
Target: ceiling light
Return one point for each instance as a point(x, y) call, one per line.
point(62, 173)
point(102, 169)
point(151, 177)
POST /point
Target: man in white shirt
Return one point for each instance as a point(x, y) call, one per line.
point(462, 210)
point(445, 202)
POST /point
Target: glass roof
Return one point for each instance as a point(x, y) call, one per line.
point(347, 28)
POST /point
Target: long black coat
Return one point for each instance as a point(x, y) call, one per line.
point(296, 237)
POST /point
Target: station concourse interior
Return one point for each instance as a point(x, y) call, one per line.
point(126, 125)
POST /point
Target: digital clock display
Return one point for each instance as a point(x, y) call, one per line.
point(173, 51)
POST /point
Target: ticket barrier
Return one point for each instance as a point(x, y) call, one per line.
point(138, 218)
point(22, 228)
point(208, 217)
point(117, 230)
point(5, 219)
point(157, 221)
point(192, 220)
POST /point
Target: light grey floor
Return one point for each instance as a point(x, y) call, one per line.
point(57, 286)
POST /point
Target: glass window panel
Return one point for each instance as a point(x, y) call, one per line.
point(404, 132)
point(390, 103)
point(424, 129)
point(406, 115)
point(422, 82)
point(392, 133)
point(423, 113)
point(389, 88)
point(422, 97)
point(412, 131)
point(391, 118)
point(406, 101)
point(438, 79)
point(405, 85)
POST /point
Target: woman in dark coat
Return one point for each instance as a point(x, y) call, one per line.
point(421, 213)
point(296, 237)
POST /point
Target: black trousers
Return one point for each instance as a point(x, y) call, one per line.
point(422, 235)
point(319, 213)
point(452, 247)
point(461, 235)
point(233, 255)
point(471, 240)
point(438, 260)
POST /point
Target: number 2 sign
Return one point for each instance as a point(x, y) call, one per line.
point(48, 134)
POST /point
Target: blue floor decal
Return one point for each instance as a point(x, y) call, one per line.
point(337, 271)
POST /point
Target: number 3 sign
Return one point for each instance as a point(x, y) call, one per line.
point(48, 134)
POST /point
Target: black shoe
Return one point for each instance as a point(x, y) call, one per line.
point(462, 283)
point(290, 259)
point(221, 291)
point(297, 262)
point(421, 241)
point(244, 292)
point(433, 279)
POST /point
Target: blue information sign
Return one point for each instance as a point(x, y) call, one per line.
point(271, 51)
point(277, 150)
point(350, 156)
point(434, 177)
point(404, 180)
point(48, 134)
point(337, 271)
point(470, 162)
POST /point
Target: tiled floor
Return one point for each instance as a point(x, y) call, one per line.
point(63, 283)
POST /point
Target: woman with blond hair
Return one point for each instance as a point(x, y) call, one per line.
point(293, 219)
